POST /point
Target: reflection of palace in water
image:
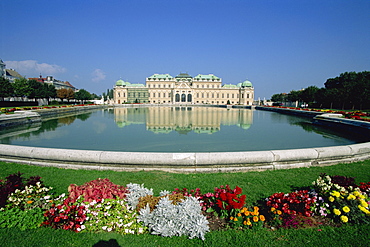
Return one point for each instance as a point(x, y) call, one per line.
point(183, 119)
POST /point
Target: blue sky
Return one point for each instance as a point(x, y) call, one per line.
point(278, 45)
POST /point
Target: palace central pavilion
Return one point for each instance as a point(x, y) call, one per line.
point(183, 88)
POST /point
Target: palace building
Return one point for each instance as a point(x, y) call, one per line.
point(184, 89)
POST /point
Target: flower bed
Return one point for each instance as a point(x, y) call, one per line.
point(11, 110)
point(357, 115)
point(102, 206)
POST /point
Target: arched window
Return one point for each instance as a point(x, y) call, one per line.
point(189, 97)
point(183, 97)
point(177, 97)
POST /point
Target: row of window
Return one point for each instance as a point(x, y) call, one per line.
point(169, 95)
point(169, 79)
point(169, 86)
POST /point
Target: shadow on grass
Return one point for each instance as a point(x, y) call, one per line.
point(109, 243)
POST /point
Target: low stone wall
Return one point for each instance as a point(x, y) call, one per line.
point(301, 113)
point(33, 116)
point(185, 162)
point(19, 118)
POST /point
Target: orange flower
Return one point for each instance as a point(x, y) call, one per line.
point(255, 218)
point(279, 212)
point(262, 218)
point(246, 213)
point(239, 214)
point(29, 202)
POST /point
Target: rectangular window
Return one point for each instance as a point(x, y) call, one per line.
point(248, 96)
point(222, 97)
point(232, 95)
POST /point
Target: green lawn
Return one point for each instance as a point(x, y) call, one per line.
point(256, 185)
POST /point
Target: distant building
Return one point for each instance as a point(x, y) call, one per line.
point(2, 68)
point(201, 89)
point(57, 83)
point(9, 74)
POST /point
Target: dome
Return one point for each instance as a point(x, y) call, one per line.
point(119, 83)
point(239, 85)
point(247, 84)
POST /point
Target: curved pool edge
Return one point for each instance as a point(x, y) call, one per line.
point(185, 162)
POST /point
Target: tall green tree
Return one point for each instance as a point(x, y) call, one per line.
point(21, 88)
point(49, 91)
point(308, 94)
point(6, 88)
point(36, 90)
point(83, 95)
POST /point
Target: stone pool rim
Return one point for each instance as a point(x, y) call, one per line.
point(186, 162)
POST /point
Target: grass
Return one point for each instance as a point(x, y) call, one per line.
point(256, 185)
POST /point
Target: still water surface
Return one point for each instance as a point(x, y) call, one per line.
point(177, 129)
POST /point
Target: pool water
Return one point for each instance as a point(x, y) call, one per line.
point(177, 129)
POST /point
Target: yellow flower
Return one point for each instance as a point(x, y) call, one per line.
point(246, 213)
point(335, 193)
point(331, 199)
point(346, 209)
point(255, 218)
point(231, 218)
point(336, 211)
point(245, 222)
point(356, 193)
point(273, 209)
point(351, 197)
point(279, 212)
point(239, 214)
point(364, 204)
point(249, 223)
point(344, 218)
point(235, 219)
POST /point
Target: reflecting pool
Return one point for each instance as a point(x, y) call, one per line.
point(177, 129)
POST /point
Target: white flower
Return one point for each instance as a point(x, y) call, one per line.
point(104, 228)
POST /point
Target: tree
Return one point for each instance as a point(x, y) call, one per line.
point(49, 91)
point(21, 88)
point(64, 93)
point(308, 94)
point(83, 95)
point(6, 88)
point(36, 90)
point(281, 97)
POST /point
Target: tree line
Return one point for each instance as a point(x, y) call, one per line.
point(349, 90)
point(33, 89)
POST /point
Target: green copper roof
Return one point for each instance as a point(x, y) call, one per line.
point(247, 84)
point(183, 75)
point(229, 86)
point(160, 76)
point(119, 83)
point(137, 85)
point(207, 77)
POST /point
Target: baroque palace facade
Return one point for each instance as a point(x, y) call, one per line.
point(184, 89)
